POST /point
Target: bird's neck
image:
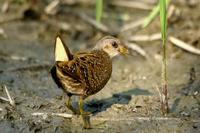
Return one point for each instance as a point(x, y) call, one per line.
point(100, 51)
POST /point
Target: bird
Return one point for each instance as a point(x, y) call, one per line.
point(84, 73)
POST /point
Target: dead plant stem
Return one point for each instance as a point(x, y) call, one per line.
point(164, 102)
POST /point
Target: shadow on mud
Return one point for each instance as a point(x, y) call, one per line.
point(96, 106)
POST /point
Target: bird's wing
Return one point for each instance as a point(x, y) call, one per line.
point(74, 68)
point(75, 72)
point(87, 71)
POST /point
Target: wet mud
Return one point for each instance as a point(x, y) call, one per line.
point(129, 102)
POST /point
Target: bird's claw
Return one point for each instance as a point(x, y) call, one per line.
point(86, 121)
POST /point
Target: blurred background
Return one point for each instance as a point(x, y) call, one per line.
point(27, 32)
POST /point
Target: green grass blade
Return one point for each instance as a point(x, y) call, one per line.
point(153, 14)
point(163, 26)
point(163, 19)
point(99, 10)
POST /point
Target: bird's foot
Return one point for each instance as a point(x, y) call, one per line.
point(86, 121)
point(85, 115)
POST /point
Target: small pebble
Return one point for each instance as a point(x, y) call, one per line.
point(185, 114)
point(196, 93)
point(134, 110)
point(45, 116)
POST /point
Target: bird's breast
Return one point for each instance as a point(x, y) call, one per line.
point(98, 73)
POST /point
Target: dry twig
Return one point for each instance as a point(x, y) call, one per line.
point(11, 100)
point(159, 92)
point(152, 2)
point(131, 4)
point(4, 99)
point(11, 19)
point(170, 11)
point(184, 46)
point(45, 115)
point(65, 115)
point(138, 119)
point(5, 6)
point(177, 42)
point(50, 9)
point(136, 48)
point(79, 2)
point(93, 22)
point(13, 57)
point(132, 25)
point(153, 37)
point(18, 58)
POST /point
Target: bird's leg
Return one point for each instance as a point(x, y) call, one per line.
point(80, 105)
point(69, 105)
point(85, 115)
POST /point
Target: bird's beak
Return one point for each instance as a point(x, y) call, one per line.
point(123, 50)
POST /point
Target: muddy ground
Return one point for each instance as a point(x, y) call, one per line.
point(130, 100)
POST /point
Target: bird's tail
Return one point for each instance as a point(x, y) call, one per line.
point(61, 51)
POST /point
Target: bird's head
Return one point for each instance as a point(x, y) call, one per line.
point(112, 46)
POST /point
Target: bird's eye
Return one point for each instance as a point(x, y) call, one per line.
point(114, 44)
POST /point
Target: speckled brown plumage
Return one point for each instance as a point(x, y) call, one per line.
point(84, 73)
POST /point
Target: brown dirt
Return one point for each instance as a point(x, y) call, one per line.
point(128, 103)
